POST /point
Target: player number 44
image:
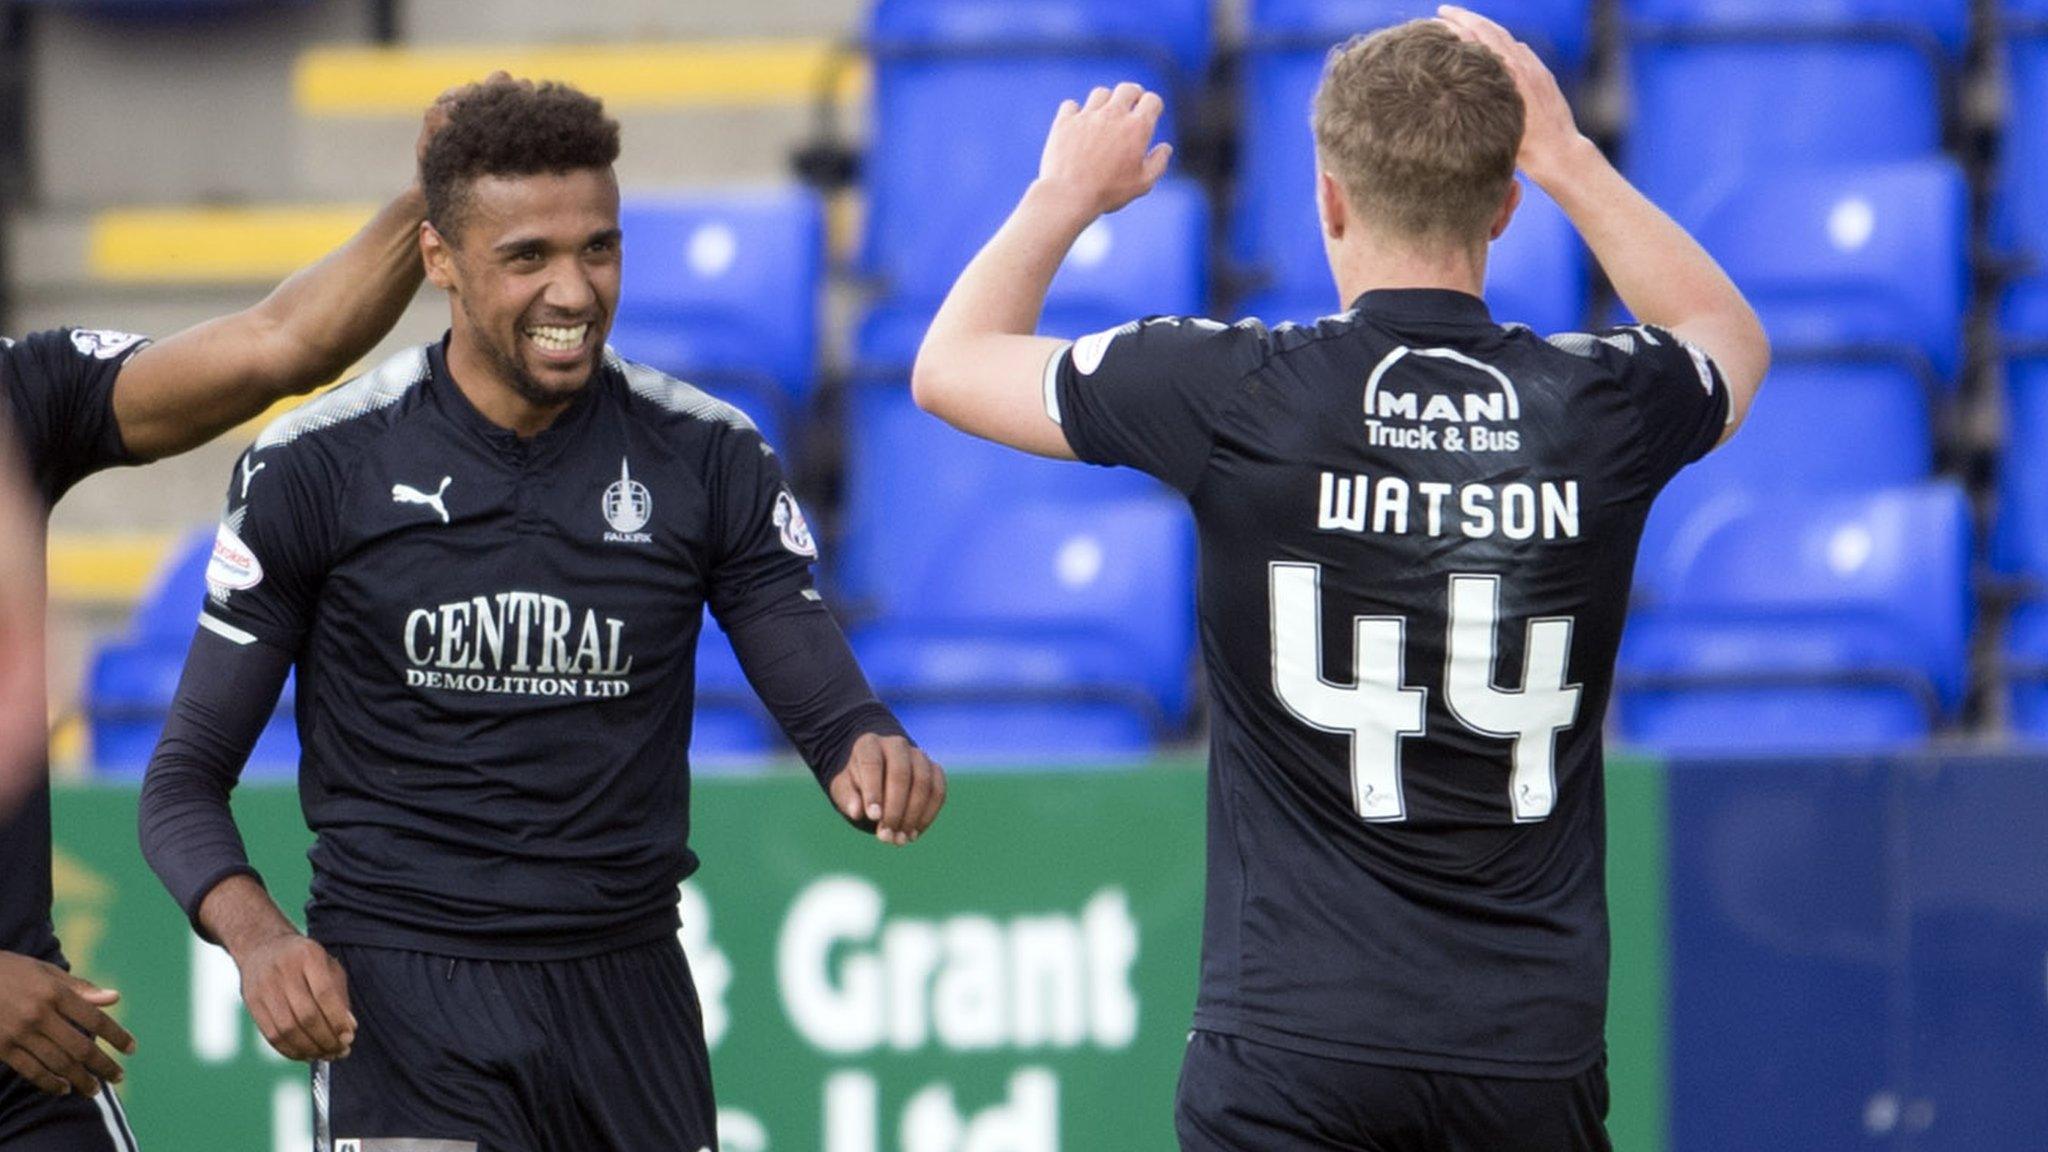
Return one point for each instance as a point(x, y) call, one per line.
point(1378, 711)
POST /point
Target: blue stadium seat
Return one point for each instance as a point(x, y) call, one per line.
point(913, 483)
point(1050, 629)
point(1826, 623)
point(2019, 541)
point(2026, 657)
point(1180, 28)
point(1851, 262)
point(2019, 210)
point(1945, 22)
point(962, 100)
point(722, 289)
point(131, 680)
point(1816, 428)
point(1727, 91)
point(1561, 30)
point(1150, 258)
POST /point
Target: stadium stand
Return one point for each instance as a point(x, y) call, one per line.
point(1860, 273)
point(912, 484)
point(730, 731)
point(2026, 656)
point(132, 679)
point(2019, 543)
point(1828, 623)
point(951, 86)
point(1727, 90)
point(1052, 629)
point(722, 289)
point(1804, 143)
point(1149, 258)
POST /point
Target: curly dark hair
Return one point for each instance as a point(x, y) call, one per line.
point(510, 127)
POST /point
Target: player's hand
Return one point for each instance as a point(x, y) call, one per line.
point(444, 106)
point(298, 995)
point(51, 1023)
point(1101, 153)
point(1549, 133)
point(890, 783)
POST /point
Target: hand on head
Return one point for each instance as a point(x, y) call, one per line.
point(443, 107)
point(1549, 131)
point(1101, 152)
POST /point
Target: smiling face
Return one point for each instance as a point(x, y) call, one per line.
point(532, 278)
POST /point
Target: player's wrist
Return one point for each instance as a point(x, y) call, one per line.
point(1553, 165)
point(1063, 202)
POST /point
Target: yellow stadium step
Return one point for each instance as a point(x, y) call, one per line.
point(105, 567)
point(401, 81)
point(261, 244)
point(213, 245)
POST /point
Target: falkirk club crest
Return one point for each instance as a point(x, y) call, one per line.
point(628, 506)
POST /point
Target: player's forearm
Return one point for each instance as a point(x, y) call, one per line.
point(1002, 290)
point(195, 385)
point(331, 313)
point(1658, 270)
point(240, 914)
point(187, 828)
point(801, 667)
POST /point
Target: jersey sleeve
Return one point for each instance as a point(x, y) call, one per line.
point(764, 549)
point(60, 385)
point(272, 548)
point(1150, 394)
point(1677, 390)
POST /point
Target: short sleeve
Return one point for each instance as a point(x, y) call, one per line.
point(1149, 394)
point(60, 385)
point(1677, 391)
point(272, 548)
point(764, 547)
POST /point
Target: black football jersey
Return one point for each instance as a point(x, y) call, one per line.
point(1417, 531)
point(495, 641)
point(60, 413)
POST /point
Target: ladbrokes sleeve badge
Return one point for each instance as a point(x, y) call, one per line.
point(791, 526)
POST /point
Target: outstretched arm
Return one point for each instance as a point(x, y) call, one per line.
point(188, 388)
point(1660, 272)
point(980, 368)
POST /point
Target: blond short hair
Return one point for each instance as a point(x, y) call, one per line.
point(1421, 130)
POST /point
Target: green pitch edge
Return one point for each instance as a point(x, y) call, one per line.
point(1637, 871)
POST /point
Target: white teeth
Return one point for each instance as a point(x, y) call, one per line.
point(559, 339)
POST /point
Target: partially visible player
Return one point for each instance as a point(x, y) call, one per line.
point(1417, 532)
point(78, 400)
point(21, 633)
point(489, 560)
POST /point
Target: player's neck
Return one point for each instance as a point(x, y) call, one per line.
point(1362, 263)
point(494, 397)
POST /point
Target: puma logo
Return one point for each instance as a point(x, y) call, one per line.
point(249, 474)
point(407, 494)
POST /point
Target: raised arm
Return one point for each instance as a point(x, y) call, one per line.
point(980, 368)
point(1660, 272)
point(188, 388)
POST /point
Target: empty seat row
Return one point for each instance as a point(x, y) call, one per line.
point(1818, 623)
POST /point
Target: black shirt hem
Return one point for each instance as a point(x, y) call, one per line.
point(1451, 1062)
point(329, 927)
